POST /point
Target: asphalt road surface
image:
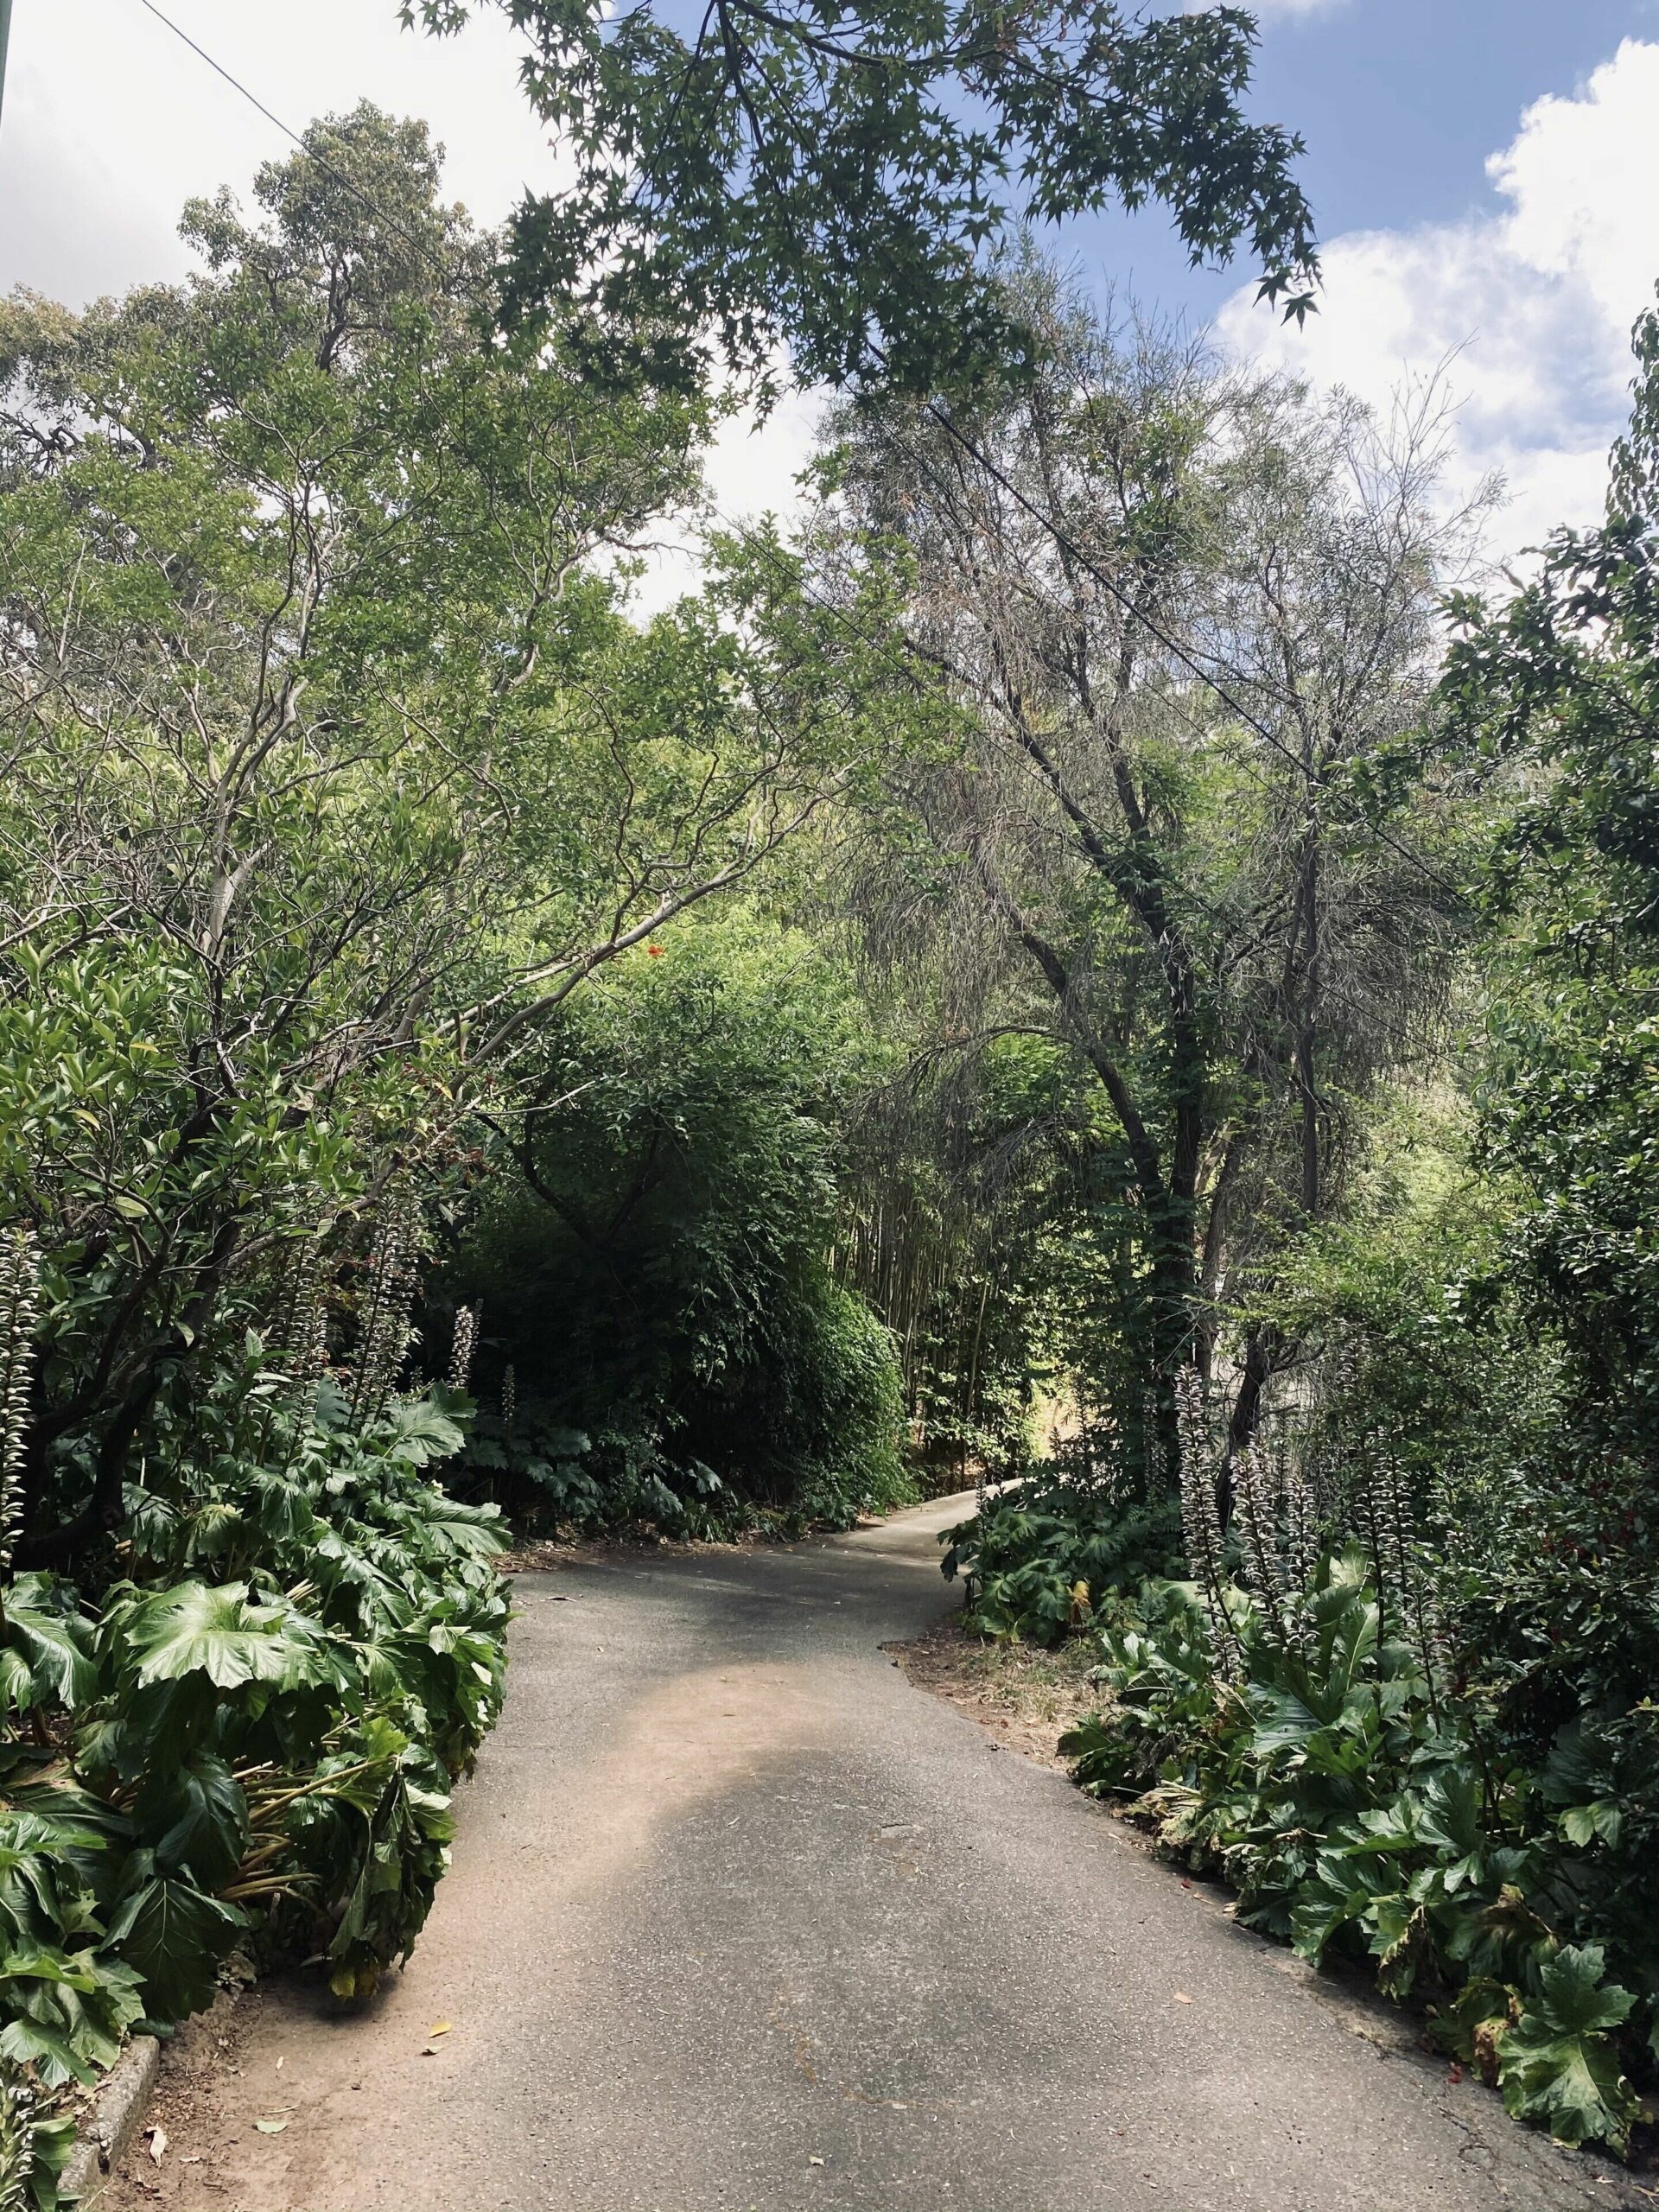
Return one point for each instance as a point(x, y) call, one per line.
point(741, 1921)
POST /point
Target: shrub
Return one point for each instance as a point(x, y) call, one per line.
point(1311, 1745)
point(1040, 1559)
point(248, 1744)
point(653, 1255)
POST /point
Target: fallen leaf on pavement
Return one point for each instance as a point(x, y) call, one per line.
point(270, 2126)
point(441, 2029)
point(157, 2143)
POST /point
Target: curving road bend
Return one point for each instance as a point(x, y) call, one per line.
point(740, 1921)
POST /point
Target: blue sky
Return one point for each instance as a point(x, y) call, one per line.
point(1485, 173)
point(1400, 103)
point(1485, 178)
point(1402, 100)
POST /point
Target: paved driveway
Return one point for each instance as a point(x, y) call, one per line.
point(740, 1921)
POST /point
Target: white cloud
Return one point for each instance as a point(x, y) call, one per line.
point(1528, 304)
point(112, 124)
point(751, 466)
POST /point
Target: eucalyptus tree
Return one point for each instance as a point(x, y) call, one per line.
point(335, 762)
point(1187, 617)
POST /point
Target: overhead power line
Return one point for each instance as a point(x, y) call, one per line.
point(347, 183)
point(219, 70)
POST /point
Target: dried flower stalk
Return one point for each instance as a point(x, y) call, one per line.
point(462, 1346)
point(383, 1334)
point(1200, 1517)
point(20, 1301)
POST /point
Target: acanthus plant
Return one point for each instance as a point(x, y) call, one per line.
point(462, 1346)
point(1293, 1724)
point(249, 1744)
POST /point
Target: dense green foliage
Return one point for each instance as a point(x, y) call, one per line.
point(1399, 1692)
point(247, 1744)
point(1303, 1745)
point(1040, 1559)
point(336, 764)
point(1087, 972)
point(271, 1718)
point(828, 178)
point(656, 1273)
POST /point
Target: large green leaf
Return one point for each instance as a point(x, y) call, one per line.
point(48, 1966)
point(1572, 2084)
point(174, 1936)
point(1573, 1999)
point(1449, 1810)
point(30, 2041)
point(193, 1630)
point(46, 1661)
point(419, 1432)
point(1557, 2064)
point(1285, 1720)
point(69, 2014)
point(196, 1819)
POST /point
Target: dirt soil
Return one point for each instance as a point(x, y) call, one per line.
point(213, 2044)
point(1025, 1697)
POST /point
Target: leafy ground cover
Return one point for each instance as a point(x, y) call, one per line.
point(246, 1746)
point(1321, 1772)
point(1318, 1712)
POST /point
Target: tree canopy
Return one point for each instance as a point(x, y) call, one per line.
point(828, 177)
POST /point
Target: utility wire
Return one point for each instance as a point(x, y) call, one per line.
point(219, 70)
point(347, 183)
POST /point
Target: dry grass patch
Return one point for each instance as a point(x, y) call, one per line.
point(1026, 1697)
